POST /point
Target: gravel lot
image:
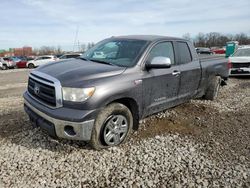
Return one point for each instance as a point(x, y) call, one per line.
point(197, 144)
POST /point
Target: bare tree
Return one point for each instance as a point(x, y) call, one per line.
point(242, 38)
point(214, 39)
point(58, 50)
point(83, 47)
point(200, 39)
point(187, 36)
point(46, 50)
point(90, 45)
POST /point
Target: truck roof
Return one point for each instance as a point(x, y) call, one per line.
point(148, 37)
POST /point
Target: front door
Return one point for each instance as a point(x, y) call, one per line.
point(160, 86)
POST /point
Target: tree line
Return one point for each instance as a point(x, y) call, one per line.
point(214, 39)
point(52, 50)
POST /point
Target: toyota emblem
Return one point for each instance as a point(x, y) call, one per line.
point(37, 90)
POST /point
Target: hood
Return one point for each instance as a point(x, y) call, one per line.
point(239, 59)
point(72, 72)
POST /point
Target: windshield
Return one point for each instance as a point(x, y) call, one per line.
point(242, 52)
point(119, 52)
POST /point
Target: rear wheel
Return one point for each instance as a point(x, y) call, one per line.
point(31, 66)
point(112, 126)
point(213, 88)
point(5, 67)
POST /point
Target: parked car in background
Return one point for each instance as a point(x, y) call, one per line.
point(15, 59)
point(68, 56)
point(29, 58)
point(201, 50)
point(240, 62)
point(1, 65)
point(41, 60)
point(22, 63)
point(59, 55)
point(7, 63)
point(219, 51)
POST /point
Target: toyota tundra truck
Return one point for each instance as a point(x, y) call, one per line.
point(101, 98)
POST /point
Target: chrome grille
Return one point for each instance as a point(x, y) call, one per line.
point(241, 65)
point(45, 89)
point(43, 92)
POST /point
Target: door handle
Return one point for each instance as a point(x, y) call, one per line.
point(176, 73)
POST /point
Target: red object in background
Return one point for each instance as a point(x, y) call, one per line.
point(229, 64)
point(219, 51)
point(21, 64)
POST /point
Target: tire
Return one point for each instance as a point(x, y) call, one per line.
point(113, 122)
point(31, 66)
point(213, 88)
point(5, 67)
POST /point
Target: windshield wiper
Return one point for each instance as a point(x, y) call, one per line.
point(82, 58)
point(101, 61)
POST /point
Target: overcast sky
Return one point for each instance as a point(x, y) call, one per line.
point(54, 22)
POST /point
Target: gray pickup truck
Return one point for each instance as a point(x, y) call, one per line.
point(101, 96)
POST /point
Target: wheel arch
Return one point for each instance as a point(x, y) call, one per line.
point(133, 106)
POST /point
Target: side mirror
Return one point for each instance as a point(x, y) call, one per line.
point(159, 63)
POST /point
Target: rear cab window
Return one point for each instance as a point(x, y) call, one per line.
point(184, 52)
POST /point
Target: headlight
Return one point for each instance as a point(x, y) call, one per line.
point(77, 94)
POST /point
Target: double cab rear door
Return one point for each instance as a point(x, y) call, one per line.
point(167, 87)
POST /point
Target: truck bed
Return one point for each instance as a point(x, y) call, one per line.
point(205, 57)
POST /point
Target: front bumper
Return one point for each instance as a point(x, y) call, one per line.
point(57, 127)
point(239, 71)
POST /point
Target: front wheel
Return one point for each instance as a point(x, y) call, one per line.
point(31, 66)
point(213, 88)
point(112, 126)
point(5, 67)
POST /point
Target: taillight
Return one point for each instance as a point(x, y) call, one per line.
point(229, 64)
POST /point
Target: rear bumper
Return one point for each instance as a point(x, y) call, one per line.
point(55, 127)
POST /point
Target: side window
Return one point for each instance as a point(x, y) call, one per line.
point(72, 56)
point(242, 52)
point(184, 52)
point(46, 57)
point(163, 49)
point(247, 52)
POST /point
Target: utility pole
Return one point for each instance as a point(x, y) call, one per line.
point(76, 36)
